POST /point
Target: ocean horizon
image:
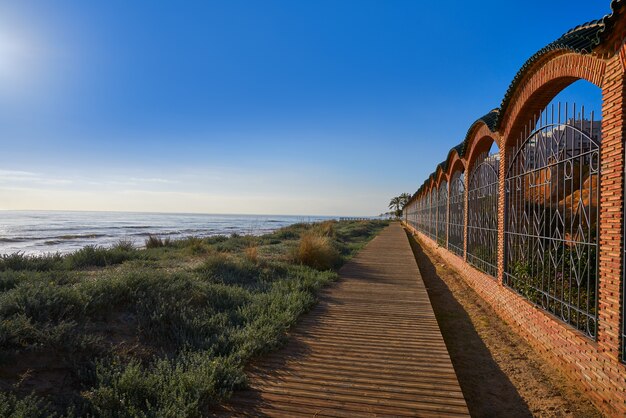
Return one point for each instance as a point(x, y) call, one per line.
point(37, 232)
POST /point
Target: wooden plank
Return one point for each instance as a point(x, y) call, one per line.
point(371, 347)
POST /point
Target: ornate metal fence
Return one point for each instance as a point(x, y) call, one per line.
point(422, 214)
point(456, 214)
point(442, 213)
point(410, 213)
point(551, 228)
point(482, 226)
point(432, 214)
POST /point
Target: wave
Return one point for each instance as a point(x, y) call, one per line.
point(53, 242)
point(79, 236)
point(160, 233)
point(17, 239)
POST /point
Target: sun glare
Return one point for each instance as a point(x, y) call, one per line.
point(11, 54)
point(20, 64)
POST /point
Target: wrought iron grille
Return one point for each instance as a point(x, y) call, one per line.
point(482, 225)
point(432, 214)
point(413, 214)
point(407, 214)
point(442, 214)
point(424, 213)
point(551, 228)
point(418, 213)
point(456, 214)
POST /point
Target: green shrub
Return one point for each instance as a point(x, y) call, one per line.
point(291, 232)
point(43, 302)
point(10, 279)
point(182, 387)
point(124, 245)
point(235, 243)
point(30, 406)
point(95, 256)
point(20, 262)
point(189, 313)
point(195, 245)
point(215, 239)
point(221, 268)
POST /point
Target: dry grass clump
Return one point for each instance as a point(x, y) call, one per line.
point(252, 254)
point(317, 251)
point(195, 245)
point(157, 242)
point(326, 228)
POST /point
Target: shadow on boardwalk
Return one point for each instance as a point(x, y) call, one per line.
point(487, 389)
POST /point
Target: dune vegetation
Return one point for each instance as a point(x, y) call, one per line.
point(163, 331)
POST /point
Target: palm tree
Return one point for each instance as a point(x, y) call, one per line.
point(398, 202)
point(404, 198)
point(395, 203)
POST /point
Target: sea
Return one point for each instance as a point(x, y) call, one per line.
point(43, 232)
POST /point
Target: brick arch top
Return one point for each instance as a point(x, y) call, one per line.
point(442, 175)
point(432, 183)
point(481, 142)
point(485, 125)
point(542, 86)
point(455, 164)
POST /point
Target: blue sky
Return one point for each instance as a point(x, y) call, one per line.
point(281, 107)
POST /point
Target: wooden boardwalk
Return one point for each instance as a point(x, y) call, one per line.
point(371, 347)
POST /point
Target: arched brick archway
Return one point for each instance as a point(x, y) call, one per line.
point(480, 139)
point(455, 163)
point(543, 81)
point(547, 79)
point(441, 176)
point(456, 205)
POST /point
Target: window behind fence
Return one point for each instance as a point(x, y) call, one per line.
point(482, 201)
point(551, 228)
point(432, 214)
point(442, 213)
point(456, 215)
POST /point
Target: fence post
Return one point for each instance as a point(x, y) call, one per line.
point(611, 206)
point(448, 215)
point(465, 211)
point(501, 209)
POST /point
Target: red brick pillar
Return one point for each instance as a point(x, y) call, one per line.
point(501, 209)
point(465, 210)
point(611, 207)
point(448, 214)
